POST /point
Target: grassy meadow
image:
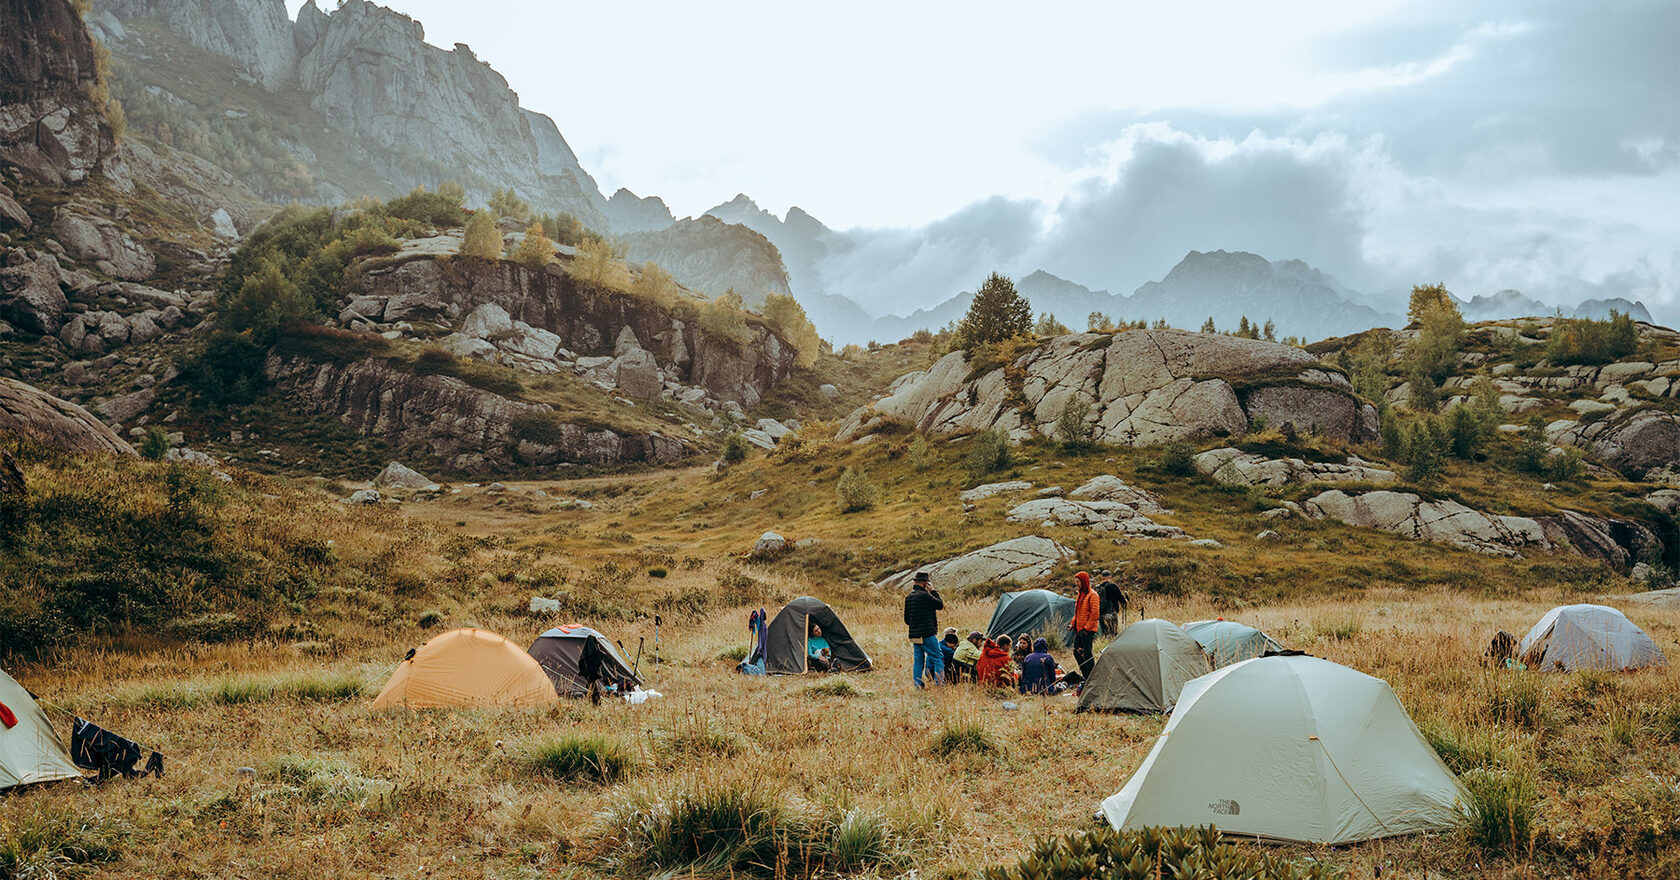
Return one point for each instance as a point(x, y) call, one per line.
point(859, 775)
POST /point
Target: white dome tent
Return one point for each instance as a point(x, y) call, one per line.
point(30, 750)
point(1289, 749)
point(1574, 637)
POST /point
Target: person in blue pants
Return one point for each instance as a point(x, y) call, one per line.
point(921, 617)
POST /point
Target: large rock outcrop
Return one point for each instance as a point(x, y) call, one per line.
point(1233, 467)
point(48, 127)
point(256, 34)
point(104, 245)
point(30, 296)
point(1145, 387)
point(468, 429)
point(1018, 561)
point(29, 412)
point(581, 318)
point(1098, 516)
point(1632, 441)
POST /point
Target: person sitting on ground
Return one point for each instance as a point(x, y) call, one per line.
point(1038, 671)
point(948, 653)
point(1023, 647)
point(966, 655)
point(993, 666)
point(1503, 652)
point(817, 647)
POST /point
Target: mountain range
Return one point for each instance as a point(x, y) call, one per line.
point(336, 105)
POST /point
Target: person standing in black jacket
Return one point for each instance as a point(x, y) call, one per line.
point(921, 616)
point(1113, 602)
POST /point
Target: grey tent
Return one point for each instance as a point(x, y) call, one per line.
point(1573, 637)
point(1031, 612)
point(785, 648)
point(566, 652)
point(30, 750)
point(1227, 641)
point(1144, 669)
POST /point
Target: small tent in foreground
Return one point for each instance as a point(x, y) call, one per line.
point(566, 652)
point(1289, 749)
point(786, 651)
point(1574, 637)
point(30, 750)
point(467, 667)
point(1144, 669)
point(1030, 612)
point(1227, 641)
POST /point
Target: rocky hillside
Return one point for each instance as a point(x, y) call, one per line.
point(712, 257)
point(397, 111)
point(1143, 387)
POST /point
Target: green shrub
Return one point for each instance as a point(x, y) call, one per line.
point(963, 737)
point(988, 453)
point(701, 740)
point(856, 492)
point(836, 687)
point(1586, 341)
point(50, 841)
point(921, 456)
point(735, 448)
point(212, 628)
point(1464, 750)
point(1153, 854)
point(859, 840)
point(429, 619)
point(155, 444)
point(1177, 458)
point(707, 829)
point(1343, 630)
point(657, 572)
point(1073, 426)
point(579, 758)
point(1499, 809)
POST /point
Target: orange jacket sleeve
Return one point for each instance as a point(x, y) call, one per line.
point(1087, 611)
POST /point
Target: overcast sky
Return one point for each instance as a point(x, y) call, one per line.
point(1533, 145)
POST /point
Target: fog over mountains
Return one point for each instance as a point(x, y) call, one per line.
point(1185, 219)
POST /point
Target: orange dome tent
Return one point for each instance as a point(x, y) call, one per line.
point(467, 667)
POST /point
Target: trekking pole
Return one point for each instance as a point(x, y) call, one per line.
point(657, 620)
point(637, 668)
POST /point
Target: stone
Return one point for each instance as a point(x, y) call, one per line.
point(190, 456)
point(12, 482)
point(769, 545)
point(775, 429)
point(542, 605)
point(989, 489)
point(1666, 598)
point(1665, 500)
point(489, 322)
point(1268, 535)
point(1277, 513)
point(1018, 560)
point(397, 475)
point(626, 342)
point(362, 496)
point(98, 241)
point(12, 215)
point(1592, 407)
point(221, 223)
point(1208, 543)
point(1641, 572)
point(759, 438)
point(531, 342)
point(1444, 521)
point(142, 329)
point(1631, 441)
point(1108, 487)
point(1233, 467)
point(125, 408)
point(1617, 542)
point(1102, 516)
point(828, 391)
point(30, 297)
point(464, 346)
point(1326, 409)
point(636, 374)
point(1051, 492)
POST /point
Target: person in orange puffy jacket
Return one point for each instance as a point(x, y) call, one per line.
point(993, 665)
point(1087, 617)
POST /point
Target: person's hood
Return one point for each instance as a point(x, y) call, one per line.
point(1084, 579)
point(1041, 646)
point(991, 649)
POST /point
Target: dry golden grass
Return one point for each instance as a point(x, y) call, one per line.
point(342, 791)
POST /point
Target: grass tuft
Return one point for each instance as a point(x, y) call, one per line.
point(837, 687)
point(53, 841)
point(1499, 809)
point(588, 758)
point(963, 738)
point(706, 828)
point(1519, 700)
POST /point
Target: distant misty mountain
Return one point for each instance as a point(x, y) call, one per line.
point(1513, 304)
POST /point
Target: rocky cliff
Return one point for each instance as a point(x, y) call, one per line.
point(712, 256)
point(1144, 387)
point(412, 112)
point(29, 412)
point(49, 129)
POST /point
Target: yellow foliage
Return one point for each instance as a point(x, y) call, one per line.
point(483, 239)
point(599, 264)
point(535, 250)
point(796, 327)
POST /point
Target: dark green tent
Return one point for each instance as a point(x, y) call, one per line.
point(785, 645)
point(1031, 612)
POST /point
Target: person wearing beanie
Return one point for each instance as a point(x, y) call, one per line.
point(921, 618)
point(947, 654)
point(1086, 618)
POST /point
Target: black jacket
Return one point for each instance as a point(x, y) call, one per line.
point(921, 613)
point(1113, 598)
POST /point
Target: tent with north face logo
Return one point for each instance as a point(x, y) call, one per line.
point(1289, 749)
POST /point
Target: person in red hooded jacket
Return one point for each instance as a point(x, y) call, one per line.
point(1087, 617)
point(993, 666)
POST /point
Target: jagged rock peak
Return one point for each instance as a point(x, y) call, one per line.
point(48, 127)
point(255, 33)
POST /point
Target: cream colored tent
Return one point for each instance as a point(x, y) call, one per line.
point(30, 750)
point(1574, 637)
point(1291, 749)
point(467, 667)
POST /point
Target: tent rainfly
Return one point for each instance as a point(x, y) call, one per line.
point(1227, 641)
point(1289, 749)
point(467, 667)
point(564, 651)
point(30, 750)
point(1574, 637)
point(785, 647)
point(1144, 669)
point(1030, 612)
